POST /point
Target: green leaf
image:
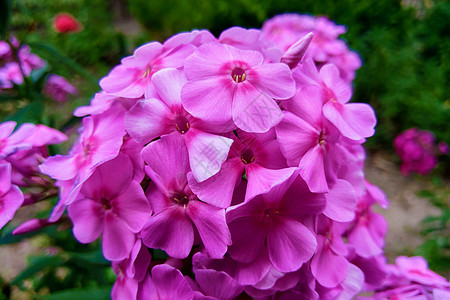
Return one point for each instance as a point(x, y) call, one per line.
point(76, 294)
point(65, 60)
point(37, 264)
point(5, 17)
point(31, 113)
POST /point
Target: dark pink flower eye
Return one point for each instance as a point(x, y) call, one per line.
point(238, 75)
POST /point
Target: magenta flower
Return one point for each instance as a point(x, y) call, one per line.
point(178, 211)
point(256, 155)
point(100, 140)
point(272, 223)
point(10, 142)
point(152, 118)
point(165, 283)
point(11, 198)
point(113, 204)
point(132, 78)
point(309, 141)
point(416, 149)
point(57, 88)
point(228, 84)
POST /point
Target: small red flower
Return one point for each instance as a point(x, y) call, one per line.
point(66, 23)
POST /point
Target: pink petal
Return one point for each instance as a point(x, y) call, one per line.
point(262, 180)
point(209, 99)
point(217, 284)
point(5, 175)
point(290, 244)
point(352, 283)
point(110, 179)
point(6, 128)
point(341, 202)
point(61, 167)
point(313, 171)
point(254, 111)
point(147, 120)
point(170, 230)
point(207, 61)
point(124, 288)
point(354, 120)
point(87, 218)
point(218, 190)
point(274, 80)
point(330, 76)
point(328, 268)
point(132, 207)
point(307, 104)
point(212, 227)
point(207, 152)
point(117, 240)
point(168, 159)
point(170, 283)
point(168, 84)
point(247, 239)
point(296, 137)
point(11, 202)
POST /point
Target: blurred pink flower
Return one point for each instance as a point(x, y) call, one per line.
point(57, 88)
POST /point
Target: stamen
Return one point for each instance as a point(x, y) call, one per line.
point(238, 75)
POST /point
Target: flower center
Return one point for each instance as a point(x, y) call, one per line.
point(182, 124)
point(87, 149)
point(321, 139)
point(238, 75)
point(268, 212)
point(106, 203)
point(181, 199)
point(247, 156)
point(147, 72)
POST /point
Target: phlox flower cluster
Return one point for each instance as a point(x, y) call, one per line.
point(417, 150)
point(410, 278)
point(284, 30)
point(240, 159)
point(17, 62)
point(21, 151)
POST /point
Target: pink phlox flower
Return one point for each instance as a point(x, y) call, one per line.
point(25, 162)
point(11, 197)
point(102, 102)
point(415, 270)
point(152, 118)
point(368, 230)
point(329, 264)
point(10, 142)
point(110, 203)
point(29, 61)
point(258, 156)
point(178, 212)
point(214, 282)
point(226, 83)
point(57, 88)
point(132, 78)
point(354, 120)
point(416, 149)
point(130, 272)
point(165, 283)
point(286, 29)
point(347, 289)
point(272, 223)
point(100, 140)
point(250, 39)
point(194, 37)
point(10, 75)
point(310, 141)
point(273, 282)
